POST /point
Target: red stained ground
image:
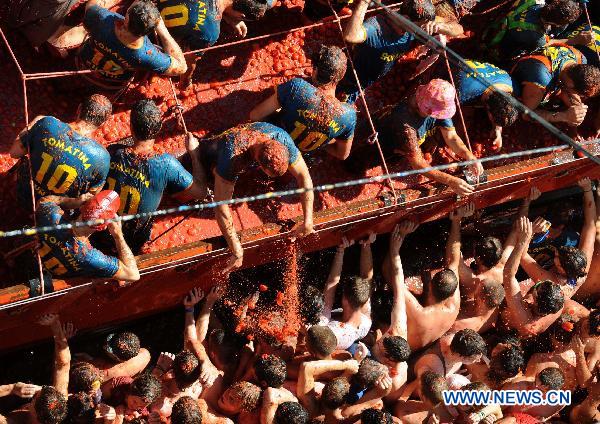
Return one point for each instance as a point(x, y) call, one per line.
point(227, 84)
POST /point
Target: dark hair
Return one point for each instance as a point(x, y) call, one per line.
point(330, 65)
point(432, 386)
point(274, 157)
point(443, 284)
point(122, 346)
point(507, 363)
point(247, 394)
point(313, 303)
point(320, 341)
point(186, 369)
point(488, 251)
point(573, 261)
point(468, 342)
point(552, 378)
point(560, 12)
point(146, 386)
point(548, 297)
point(594, 322)
point(81, 408)
point(368, 373)
point(477, 386)
point(357, 291)
point(563, 328)
point(143, 18)
point(291, 413)
point(186, 411)
point(82, 377)
point(95, 109)
point(493, 293)
point(50, 406)
point(335, 393)
point(418, 10)
point(252, 9)
point(228, 343)
point(270, 370)
point(146, 120)
point(375, 416)
point(503, 112)
point(396, 348)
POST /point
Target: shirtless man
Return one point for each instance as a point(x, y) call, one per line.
point(590, 289)
point(428, 323)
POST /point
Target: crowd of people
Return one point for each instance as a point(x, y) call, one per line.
point(479, 321)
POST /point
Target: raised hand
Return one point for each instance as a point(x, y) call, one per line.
point(48, 319)
point(69, 330)
point(407, 227)
point(524, 228)
point(534, 194)
point(215, 293)
point(540, 225)
point(209, 374)
point(345, 244)
point(165, 361)
point(463, 211)
point(194, 296)
point(585, 183)
point(369, 240)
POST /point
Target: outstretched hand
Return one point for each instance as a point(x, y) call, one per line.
point(194, 296)
point(345, 244)
point(369, 240)
point(463, 211)
point(524, 228)
point(534, 194)
point(25, 391)
point(69, 330)
point(585, 183)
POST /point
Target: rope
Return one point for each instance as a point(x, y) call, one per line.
point(587, 15)
point(284, 193)
point(178, 105)
point(373, 138)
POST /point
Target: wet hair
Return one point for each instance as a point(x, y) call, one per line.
point(368, 373)
point(248, 395)
point(186, 369)
point(313, 303)
point(357, 291)
point(507, 363)
point(573, 261)
point(375, 416)
point(549, 298)
point(418, 10)
point(335, 393)
point(488, 251)
point(274, 157)
point(50, 406)
point(476, 386)
point(95, 109)
point(468, 342)
point(503, 112)
point(586, 79)
point(146, 120)
point(552, 378)
point(396, 348)
point(594, 322)
point(330, 65)
point(122, 346)
point(81, 408)
point(82, 377)
point(320, 341)
point(563, 328)
point(493, 293)
point(432, 387)
point(145, 386)
point(291, 413)
point(143, 18)
point(252, 9)
point(227, 343)
point(443, 284)
point(186, 411)
point(560, 12)
point(270, 370)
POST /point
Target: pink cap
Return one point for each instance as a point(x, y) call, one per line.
point(436, 99)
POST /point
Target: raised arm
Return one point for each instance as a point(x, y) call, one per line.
point(354, 32)
point(366, 257)
point(514, 297)
point(128, 269)
point(189, 303)
point(584, 376)
point(62, 354)
point(300, 172)
point(224, 191)
point(265, 108)
point(204, 318)
point(588, 231)
point(130, 367)
point(453, 254)
point(334, 276)
point(178, 63)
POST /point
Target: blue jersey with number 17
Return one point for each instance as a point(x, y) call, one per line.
point(194, 23)
point(63, 162)
point(142, 180)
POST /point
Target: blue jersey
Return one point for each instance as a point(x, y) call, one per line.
point(66, 256)
point(141, 180)
point(377, 55)
point(196, 24)
point(589, 51)
point(543, 69)
point(63, 162)
point(470, 89)
point(106, 54)
point(311, 118)
point(232, 156)
point(391, 126)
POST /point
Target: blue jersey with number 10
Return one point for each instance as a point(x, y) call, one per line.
point(63, 162)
